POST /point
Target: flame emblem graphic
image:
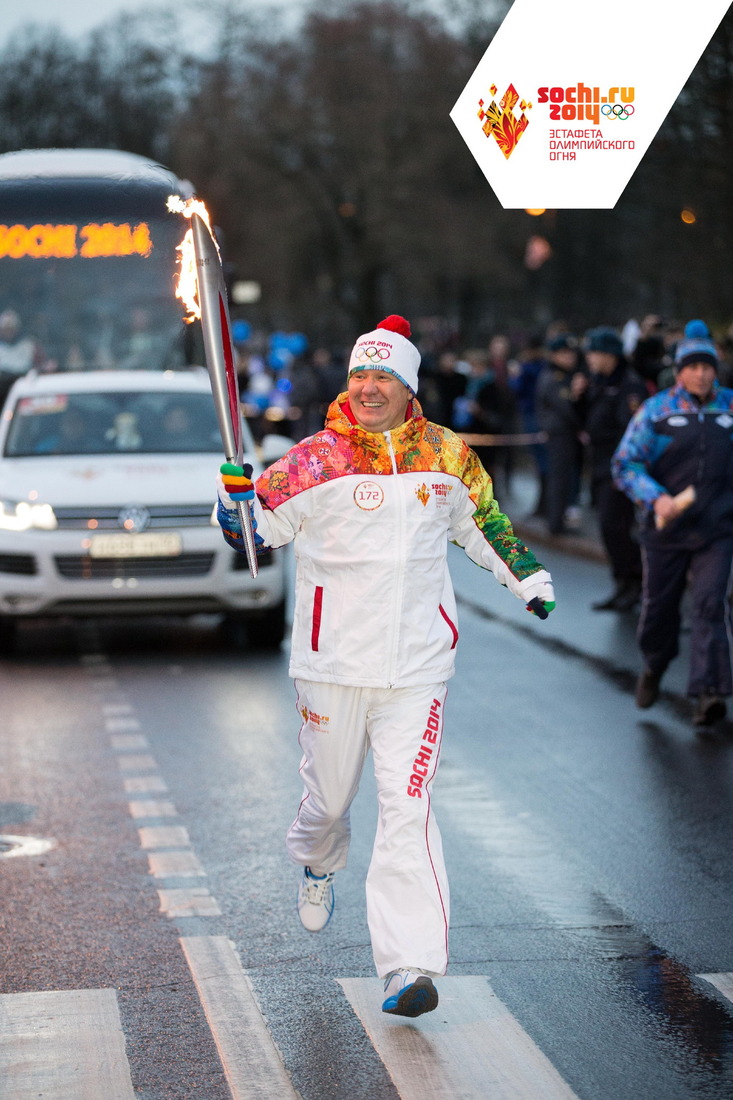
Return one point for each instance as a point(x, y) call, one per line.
point(500, 122)
point(423, 494)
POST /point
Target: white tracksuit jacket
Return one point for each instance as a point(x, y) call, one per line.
point(371, 515)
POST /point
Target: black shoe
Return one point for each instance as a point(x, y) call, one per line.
point(609, 604)
point(625, 598)
point(647, 688)
point(710, 709)
point(628, 596)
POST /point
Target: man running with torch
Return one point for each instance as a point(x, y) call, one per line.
point(371, 502)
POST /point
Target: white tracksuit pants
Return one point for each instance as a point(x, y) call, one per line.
point(406, 887)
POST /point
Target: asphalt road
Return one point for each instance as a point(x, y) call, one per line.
point(588, 847)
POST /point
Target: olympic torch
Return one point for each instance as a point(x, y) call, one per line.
point(219, 351)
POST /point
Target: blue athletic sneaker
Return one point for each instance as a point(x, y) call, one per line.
point(409, 993)
point(315, 900)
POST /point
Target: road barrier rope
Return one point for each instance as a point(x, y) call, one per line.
point(521, 439)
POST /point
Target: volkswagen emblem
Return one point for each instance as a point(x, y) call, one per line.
point(134, 518)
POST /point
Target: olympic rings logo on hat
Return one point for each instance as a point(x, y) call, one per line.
point(617, 110)
point(372, 353)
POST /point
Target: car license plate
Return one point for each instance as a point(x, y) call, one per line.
point(135, 546)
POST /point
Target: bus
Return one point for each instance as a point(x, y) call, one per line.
point(88, 262)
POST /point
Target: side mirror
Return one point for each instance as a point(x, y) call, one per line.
point(274, 447)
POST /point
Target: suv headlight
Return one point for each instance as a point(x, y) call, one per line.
point(22, 515)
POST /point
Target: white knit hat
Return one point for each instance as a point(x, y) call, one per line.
point(388, 349)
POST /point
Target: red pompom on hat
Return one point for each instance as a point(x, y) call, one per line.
point(388, 349)
point(395, 323)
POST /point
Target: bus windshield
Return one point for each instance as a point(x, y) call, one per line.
point(88, 262)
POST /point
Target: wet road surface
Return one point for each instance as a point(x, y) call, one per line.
point(587, 843)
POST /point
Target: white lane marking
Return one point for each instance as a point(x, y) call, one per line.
point(251, 1061)
point(25, 845)
point(195, 901)
point(164, 836)
point(107, 683)
point(139, 784)
point(128, 742)
point(141, 763)
point(123, 728)
point(722, 982)
point(175, 865)
point(152, 808)
point(120, 724)
point(63, 1046)
point(470, 1046)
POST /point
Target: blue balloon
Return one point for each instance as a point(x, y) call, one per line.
point(279, 358)
point(294, 342)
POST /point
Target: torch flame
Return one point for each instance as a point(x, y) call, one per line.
point(187, 288)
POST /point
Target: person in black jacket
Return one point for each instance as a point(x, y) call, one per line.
point(559, 389)
point(614, 393)
point(676, 462)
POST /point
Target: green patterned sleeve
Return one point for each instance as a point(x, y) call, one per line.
point(486, 533)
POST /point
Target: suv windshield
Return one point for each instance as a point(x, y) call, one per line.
point(110, 423)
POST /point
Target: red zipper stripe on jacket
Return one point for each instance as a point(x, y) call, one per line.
point(317, 610)
point(452, 626)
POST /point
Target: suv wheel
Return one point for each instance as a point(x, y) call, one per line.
point(265, 630)
point(8, 628)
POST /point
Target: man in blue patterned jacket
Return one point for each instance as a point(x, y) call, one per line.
point(681, 441)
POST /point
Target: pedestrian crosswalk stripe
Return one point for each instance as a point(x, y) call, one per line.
point(470, 1046)
point(722, 982)
point(63, 1045)
point(251, 1061)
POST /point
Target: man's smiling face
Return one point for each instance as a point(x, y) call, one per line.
point(378, 400)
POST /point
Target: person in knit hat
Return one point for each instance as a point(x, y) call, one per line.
point(371, 502)
point(675, 461)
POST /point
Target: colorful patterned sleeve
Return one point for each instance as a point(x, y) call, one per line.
point(486, 533)
point(630, 462)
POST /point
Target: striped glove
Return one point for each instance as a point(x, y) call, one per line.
point(238, 481)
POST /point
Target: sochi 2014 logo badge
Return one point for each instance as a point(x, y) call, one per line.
point(372, 353)
point(564, 102)
point(578, 103)
point(500, 122)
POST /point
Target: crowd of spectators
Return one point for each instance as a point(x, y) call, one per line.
point(555, 403)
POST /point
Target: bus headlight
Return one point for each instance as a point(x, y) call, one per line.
point(23, 515)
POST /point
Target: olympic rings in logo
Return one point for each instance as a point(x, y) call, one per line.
point(372, 353)
point(617, 110)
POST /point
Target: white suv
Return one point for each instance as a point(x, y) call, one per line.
point(107, 504)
